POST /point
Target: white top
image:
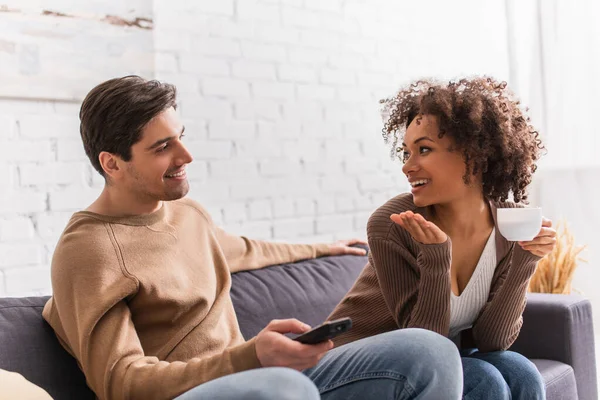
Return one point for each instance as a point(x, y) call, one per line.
point(465, 308)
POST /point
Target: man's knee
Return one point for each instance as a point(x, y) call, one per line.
point(257, 384)
point(288, 384)
point(430, 362)
point(423, 346)
point(433, 346)
point(439, 359)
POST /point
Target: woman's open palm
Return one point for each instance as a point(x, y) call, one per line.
point(420, 229)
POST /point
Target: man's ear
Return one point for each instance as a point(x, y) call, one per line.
point(111, 164)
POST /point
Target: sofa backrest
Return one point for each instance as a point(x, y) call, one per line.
point(307, 290)
point(28, 346)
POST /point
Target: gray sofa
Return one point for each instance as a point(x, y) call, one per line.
point(557, 332)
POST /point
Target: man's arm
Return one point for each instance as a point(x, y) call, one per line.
point(245, 254)
point(114, 363)
point(90, 314)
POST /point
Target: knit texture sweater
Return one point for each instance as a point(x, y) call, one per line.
point(406, 284)
point(143, 302)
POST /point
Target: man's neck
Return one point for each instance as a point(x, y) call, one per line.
point(463, 217)
point(119, 203)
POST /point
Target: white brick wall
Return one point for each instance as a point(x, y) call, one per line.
point(50, 57)
point(279, 99)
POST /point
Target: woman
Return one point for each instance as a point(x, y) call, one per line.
point(437, 260)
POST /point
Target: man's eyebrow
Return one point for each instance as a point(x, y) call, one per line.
point(419, 140)
point(164, 140)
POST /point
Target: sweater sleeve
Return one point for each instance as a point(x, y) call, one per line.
point(90, 315)
point(500, 320)
point(243, 254)
point(416, 291)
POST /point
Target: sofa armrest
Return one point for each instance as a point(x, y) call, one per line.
point(560, 327)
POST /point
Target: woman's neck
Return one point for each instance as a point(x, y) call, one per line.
point(463, 217)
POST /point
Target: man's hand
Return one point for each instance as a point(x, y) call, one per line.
point(544, 242)
point(420, 229)
point(342, 247)
point(273, 349)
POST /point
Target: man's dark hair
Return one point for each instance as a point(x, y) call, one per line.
point(487, 124)
point(114, 113)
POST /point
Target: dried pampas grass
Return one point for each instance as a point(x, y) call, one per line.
point(554, 272)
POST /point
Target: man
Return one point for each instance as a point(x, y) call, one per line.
point(141, 283)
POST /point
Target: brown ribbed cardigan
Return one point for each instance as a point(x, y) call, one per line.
point(406, 284)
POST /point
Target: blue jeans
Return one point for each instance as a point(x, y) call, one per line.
point(399, 365)
point(256, 384)
point(500, 375)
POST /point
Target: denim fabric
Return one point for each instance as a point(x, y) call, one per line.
point(256, 384)
point(402, 364)
point(500, 375)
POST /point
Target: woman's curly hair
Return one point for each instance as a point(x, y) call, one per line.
point(486, 123)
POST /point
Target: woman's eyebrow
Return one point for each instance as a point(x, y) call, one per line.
point(419, 140)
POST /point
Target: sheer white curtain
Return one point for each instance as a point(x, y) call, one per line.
point(554, 48)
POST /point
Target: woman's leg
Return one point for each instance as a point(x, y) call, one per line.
point(521, 375)
point(256, 384)
point(482, 381)
point(402, 364)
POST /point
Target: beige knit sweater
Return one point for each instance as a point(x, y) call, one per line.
point(143, 302)
point(406, 284)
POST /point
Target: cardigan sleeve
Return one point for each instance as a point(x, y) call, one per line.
point(500, 320)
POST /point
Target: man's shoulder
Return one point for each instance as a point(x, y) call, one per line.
point(380, 224)
point(83, 228)
point(186, 204)
point(88, 262)
point(83, 240)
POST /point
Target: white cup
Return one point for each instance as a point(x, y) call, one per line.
point(519, 224)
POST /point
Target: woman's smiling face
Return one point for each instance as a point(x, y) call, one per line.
point(434, 168)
